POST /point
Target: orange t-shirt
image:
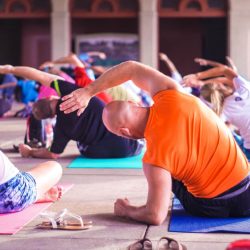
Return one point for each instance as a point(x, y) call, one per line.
point(189, 140)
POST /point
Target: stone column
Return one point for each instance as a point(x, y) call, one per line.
point(148, 32)
point(60, 28)
point(239, 35)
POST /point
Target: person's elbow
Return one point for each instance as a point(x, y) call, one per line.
point(157, 218)
point(130, 65)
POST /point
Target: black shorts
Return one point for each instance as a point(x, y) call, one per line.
point(233, 203)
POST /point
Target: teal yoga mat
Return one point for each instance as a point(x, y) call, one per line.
point(128, 162)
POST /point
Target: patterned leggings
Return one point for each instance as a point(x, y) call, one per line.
point(17, 193)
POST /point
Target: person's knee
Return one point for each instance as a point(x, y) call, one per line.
point(55, 167)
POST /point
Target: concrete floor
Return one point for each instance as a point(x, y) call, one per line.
point(92, 196)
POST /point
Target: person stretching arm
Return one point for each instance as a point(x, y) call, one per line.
point(221, 74)
point(129, 120)
point(81, 77)
point(45, 79)
point(143, 76)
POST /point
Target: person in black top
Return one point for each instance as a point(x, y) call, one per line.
point(93, 139)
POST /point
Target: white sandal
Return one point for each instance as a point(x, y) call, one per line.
point(63, 220)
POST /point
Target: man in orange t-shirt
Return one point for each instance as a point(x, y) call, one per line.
point(189, 149)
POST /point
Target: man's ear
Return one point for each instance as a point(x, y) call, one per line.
point(124, 132)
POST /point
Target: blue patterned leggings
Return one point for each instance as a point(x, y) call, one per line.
point(17, 193)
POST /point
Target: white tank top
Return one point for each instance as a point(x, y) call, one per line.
point(7, 169)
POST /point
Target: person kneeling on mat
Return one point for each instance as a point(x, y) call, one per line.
point(189, 149)
point(92, 137)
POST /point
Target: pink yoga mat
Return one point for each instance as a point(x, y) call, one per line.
point(13, 222)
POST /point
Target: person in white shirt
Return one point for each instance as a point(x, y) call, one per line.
point(229, 95)
point(18, 189)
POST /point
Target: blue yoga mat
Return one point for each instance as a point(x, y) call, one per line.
point(181, 221)
point(128, 162)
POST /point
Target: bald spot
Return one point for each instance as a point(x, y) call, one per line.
point(115, 115)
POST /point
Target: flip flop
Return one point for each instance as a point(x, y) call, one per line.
point(64, 220)
point(144, 244)
point(166, 243)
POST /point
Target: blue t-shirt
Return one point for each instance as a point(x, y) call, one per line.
point(87, 128)
point(29, 90)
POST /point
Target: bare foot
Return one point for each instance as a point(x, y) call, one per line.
point(24, 150)
point(54, 194)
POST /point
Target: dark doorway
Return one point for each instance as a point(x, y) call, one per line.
point(24, 41)
point(183, 39)
point(10, 37)
point(36, 41)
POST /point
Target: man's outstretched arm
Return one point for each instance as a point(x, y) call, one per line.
point(226, 72)
point(69, 59)
point(159, 193)
point(168, 62)
point(143, 76)
point(222, 70)
point(205, 62)
point(29, 73)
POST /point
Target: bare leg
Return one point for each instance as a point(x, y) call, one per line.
point(47, 175)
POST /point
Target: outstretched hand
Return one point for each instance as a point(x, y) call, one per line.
point(76, 100)
point(201, 61)
point(24, 150)
point(192, 81)
point(5, 69)
point(163, 56)
point(102, 56)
